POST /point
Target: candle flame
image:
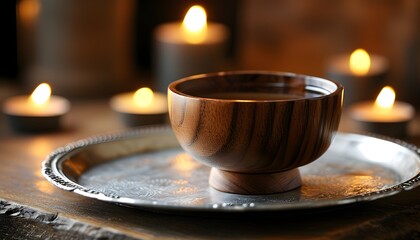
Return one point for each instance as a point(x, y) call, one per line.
point(143, 97)
point(385, 98)
point(195, 24)
point(359, 62)
point(41, 94)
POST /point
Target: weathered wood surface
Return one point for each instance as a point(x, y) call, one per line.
point(32, 208)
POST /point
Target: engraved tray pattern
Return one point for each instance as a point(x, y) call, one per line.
point(146, 168)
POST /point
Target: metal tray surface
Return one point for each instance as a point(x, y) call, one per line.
point(146, 168)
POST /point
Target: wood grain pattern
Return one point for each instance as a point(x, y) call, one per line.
point(255, 136)
point(251, 183)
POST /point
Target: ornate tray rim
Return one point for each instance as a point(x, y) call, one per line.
point(53, 174)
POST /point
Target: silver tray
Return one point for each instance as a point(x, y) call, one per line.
point(146, 168)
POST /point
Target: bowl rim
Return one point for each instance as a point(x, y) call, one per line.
point(172, 86)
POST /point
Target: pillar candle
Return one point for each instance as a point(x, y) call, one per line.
point(361, 74)
point(182, 50)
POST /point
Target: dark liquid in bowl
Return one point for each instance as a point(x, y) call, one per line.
point(250, 96)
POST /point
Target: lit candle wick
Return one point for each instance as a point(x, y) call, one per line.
point(359, 62)
point(385, 99)
point(41, 94)
point(195, 24)
point(143, 97)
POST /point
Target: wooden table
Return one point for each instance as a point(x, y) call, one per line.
point(32, 208)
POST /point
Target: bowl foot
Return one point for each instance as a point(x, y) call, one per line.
point(254, 183)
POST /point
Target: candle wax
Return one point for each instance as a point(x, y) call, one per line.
point(176, 57)
point(175, 34)
point(340, 64)
point(23, 106)
point(125, 103)
point(358, 87)
point(369, 112)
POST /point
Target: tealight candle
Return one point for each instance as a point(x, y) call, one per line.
point(384, 116)
point(38, 112)
point(361, 74)
point(142, 107)
point(192, 47)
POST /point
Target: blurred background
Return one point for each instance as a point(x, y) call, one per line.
point(98, 47)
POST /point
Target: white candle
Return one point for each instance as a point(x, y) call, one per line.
point(384, 115)
point(360, 73)
point(384, 109)
point(38, 112)
point(192, 47)
point(40, 104)
point(143, 101)
point(141, 107)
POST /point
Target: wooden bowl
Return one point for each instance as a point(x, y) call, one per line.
point(255, 128)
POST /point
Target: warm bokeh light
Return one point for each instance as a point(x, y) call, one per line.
point(195, 24)
point(196, 19)
point(359, 62)
point(385, 98)
point(40, 147)
point(143, 97)
point(184, 164)
point(41, 94)
point(28, 9)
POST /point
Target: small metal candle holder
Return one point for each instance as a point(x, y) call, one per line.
point(132, 115)
point(366, 120)
point(24, 119)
